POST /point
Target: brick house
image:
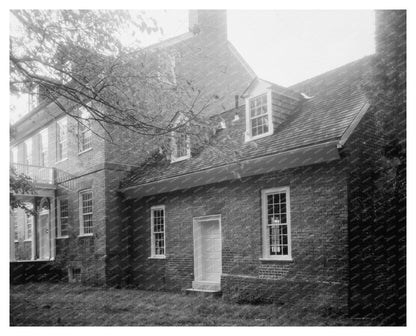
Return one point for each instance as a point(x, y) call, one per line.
point(273, 213)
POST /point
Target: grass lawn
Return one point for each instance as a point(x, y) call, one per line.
point(50, 304)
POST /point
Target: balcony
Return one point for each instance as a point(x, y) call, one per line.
point(40, 175)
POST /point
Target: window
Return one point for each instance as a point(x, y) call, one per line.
point(28, 222)
point(74, 274)
point(181, 147)
point(62, 218)
point(86, 223)
point(61, 139)
point(27, 152)
point(33, 98)
point(15, 225)
point(84, 131)
point(14, 157)
point(259, 116)
point(276, 224)
point(166, 68)
point(181, 143)
point(157, 219)
point(43, 147)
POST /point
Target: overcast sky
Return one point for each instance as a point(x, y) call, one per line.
point(283, 46)
point(286, 46)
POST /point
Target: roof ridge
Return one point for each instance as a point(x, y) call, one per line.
point(334, 70)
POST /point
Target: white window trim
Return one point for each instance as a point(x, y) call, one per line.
point(173, 144)
point(85, 151)
point(43, 148)
point(248, 136)
point(26, 218)
point(81, 214)
point(152, 238)
point(265, 243)
point(82, 130)
point(28, 149)
point(63, 158)
point(14, 155)
point(59, 233)
point(188, 150)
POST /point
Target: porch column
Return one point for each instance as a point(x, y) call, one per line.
point(12, 252)
point(52, 227)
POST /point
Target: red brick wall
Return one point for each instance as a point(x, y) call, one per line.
point(372, 262)
point(319, 232)
point(87, 253)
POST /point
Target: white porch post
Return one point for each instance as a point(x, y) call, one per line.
point(34, 230)
point(12, 252)
point(52, 227)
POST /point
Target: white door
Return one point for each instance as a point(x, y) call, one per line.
point(43, 235)
point(207, 249)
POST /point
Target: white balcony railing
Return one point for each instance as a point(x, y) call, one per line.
point(38, 174)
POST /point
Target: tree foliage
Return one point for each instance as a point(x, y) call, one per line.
point(20, 184)
point(76, 59)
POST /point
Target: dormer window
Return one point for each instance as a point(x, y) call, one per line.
point(181, 147)
point(181, 144)
point(258, 116)
point(259, 119)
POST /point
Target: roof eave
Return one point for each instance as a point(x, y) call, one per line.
point(324, 152)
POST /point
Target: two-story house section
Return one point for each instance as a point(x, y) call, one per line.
point(79, 226)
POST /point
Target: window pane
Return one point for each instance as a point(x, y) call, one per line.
point(158, 217)
point(63, 217)
point(86, 208)
point(181, 145)
point(277, 226)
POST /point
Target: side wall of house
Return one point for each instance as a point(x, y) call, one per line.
point(318, 272)
point(86, 253)
point(371, 253)
point(78, 172)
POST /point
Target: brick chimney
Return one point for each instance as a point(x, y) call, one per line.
point(209, 23)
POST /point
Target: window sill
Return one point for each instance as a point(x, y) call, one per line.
point(27, 240)
point(86, 235)
point(85, 151)
point(183, 158)
point(157, 257)
point(276, 260)
point(62, 237)
point(248, 138)
point(60, 161)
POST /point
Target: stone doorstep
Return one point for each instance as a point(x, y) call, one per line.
point(206, 285)
point(203, 292)
point(205, 288)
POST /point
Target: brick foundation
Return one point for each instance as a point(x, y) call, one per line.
point(244, 289)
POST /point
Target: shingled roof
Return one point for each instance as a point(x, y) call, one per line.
point(333, 101)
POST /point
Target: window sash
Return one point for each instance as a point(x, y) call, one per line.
point(86, 213)
point(28, 226)
point(63, 217)
point(43, 148)
point(84, 131)
point(181, 145)
point(276, 223)
point(61, 139)
point(27, 152)
point(259, 115)
point(157, 220)
point(14, 158)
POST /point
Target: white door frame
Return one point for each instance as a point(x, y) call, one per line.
point(46, 238)
point(197, 221)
